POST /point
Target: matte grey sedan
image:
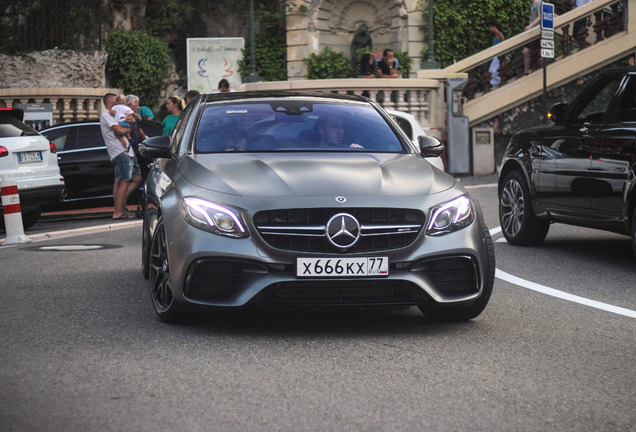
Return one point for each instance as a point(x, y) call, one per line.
point(288, 200)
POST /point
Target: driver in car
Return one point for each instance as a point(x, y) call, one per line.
point(332, 132)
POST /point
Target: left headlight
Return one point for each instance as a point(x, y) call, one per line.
point(212, 217)
point(451, 216)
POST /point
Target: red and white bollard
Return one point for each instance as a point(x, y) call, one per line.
point(12, 213)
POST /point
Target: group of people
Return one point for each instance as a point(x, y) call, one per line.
point(122, 134)
point(380, 64)
point(120, 129)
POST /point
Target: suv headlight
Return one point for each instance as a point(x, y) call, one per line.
point(451, 216)
point(212, 217)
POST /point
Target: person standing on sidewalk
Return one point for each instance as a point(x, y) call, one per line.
point(126, 181)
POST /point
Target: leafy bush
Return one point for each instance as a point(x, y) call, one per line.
point(328, 64)
point(405, 63)
point(137, 63)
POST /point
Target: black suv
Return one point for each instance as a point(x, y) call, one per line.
point(580, 170)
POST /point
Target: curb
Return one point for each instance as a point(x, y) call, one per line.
point(81, 231)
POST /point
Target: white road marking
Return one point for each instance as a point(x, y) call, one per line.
point(500, 274)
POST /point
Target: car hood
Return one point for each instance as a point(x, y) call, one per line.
point(312, 174)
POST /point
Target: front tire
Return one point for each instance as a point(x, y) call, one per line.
point(145, 247)
point(159, 278)
point(634, 231)
point(519, 224)
point(466, 313)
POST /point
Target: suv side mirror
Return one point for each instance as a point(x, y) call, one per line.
point(557, 113)
point(430, 146)
point(156, 147)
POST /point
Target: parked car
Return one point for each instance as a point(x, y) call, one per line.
point(32, 161)
point(580, 170)
point(413, 130)
point(83, 158)
point(307, 200)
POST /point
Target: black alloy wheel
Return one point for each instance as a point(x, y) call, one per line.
point(145, 247)
point(634, 231)
point(519, 224)
point(159, 277)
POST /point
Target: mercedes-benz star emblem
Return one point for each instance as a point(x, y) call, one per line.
point(341, 199)
point(343, 230)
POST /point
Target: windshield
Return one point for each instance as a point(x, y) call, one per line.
point(11, 127)
point(294, 126)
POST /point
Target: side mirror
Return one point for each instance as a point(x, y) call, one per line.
point(156, 147)
point(557, 113)
point(430, 146)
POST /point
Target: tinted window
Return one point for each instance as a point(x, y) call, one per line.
point(89, 136)
point(292, 125)
point(626, 110)
point(598, 100)
point(11, 127)
point(64, 138)
point(405, 125)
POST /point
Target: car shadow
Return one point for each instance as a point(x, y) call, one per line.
point(345, 322)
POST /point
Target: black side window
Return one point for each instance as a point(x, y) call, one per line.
point(89, 136)
point(626, 109)
point(405, 126)
point(598, 101)
point(60, 137)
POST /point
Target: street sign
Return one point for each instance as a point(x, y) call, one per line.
point(547, 53)
point(547, 16)
point(546, 43)
point(547, 34)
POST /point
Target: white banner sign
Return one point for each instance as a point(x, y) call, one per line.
point(212, 59)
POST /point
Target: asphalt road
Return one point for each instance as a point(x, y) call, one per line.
point(81, 349)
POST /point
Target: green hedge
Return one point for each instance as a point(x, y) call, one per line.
point(137, 63)
point(461, 26)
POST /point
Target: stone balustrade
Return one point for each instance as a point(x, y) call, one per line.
point(69, 104)
point(424, 98)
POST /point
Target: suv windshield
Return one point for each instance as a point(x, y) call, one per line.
point(12, 127)
point(294, 126)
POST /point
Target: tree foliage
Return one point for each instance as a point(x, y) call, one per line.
point(270, 43)
point(137, 63)
point(461, 26)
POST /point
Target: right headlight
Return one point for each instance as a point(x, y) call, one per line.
point(451, 216)
point(212, 217)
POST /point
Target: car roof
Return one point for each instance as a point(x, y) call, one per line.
point(315, 96)
point(16, 113)
point(92, 122)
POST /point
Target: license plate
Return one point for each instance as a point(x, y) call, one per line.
point(342, 267)
point(25, 157)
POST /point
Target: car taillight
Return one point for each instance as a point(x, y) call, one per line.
point(52, 147)
point(3, 151)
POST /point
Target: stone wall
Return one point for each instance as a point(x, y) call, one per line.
point(54, 68)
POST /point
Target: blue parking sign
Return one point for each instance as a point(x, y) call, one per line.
point(547, 16)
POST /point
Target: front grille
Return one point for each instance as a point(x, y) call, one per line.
point(341, 293)
point(303, 230)
point(452, 275)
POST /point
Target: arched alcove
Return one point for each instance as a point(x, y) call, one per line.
point(313, 25)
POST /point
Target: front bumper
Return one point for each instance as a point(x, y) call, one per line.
point(208, 269)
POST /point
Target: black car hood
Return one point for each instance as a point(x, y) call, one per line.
point(314, 174)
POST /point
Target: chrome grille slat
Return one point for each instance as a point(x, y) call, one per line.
point(303, 230)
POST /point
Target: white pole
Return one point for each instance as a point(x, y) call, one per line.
point(12, 212)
